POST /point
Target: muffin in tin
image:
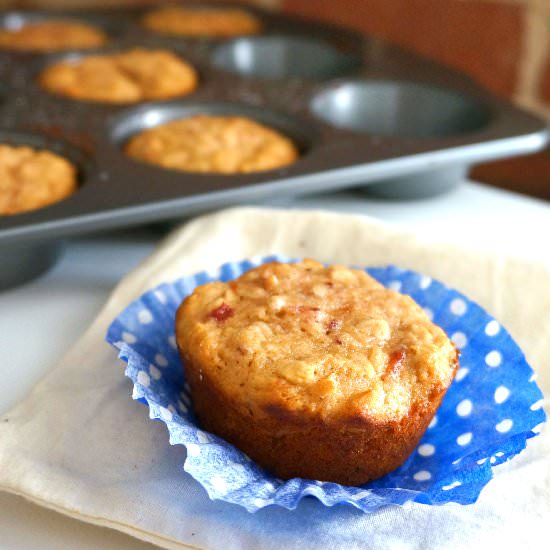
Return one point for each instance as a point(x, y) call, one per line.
point(213, 144)
point(33, 178)
point(314, 372)
point(52, 35)
point(128, 76)
point(202, 21)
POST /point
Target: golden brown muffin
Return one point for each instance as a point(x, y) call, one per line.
point(214, 22)
point(314, 372)
point(204, 143)
point(125, 77)
point(33, 178)
point(52, 35)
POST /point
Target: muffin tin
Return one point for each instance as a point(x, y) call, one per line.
point(361, 112)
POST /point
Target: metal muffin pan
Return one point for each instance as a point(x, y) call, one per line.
point(361, 112)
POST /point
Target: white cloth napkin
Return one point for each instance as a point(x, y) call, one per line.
point(79, 445)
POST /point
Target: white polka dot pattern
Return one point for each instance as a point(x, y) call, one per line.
point(161, 360)
point(202, 437)
point(537, 405)
point(395, 285)
point(172, 341)
point(492, 328)
point(458, 306)
point(425, 282)
point(464, 408)
point(505, 425)
point(451, 486)
point(129, 338)
point(459, 339)
point(501, 394)
point(461, 373)
point(154, 372)
point(145, 317)
point(143, 379)
point(492, 404)
point(160, 296)
point(493, 358)
point(464, 439)
point(426, 449)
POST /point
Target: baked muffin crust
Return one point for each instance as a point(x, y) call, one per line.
point(214, 22)
point(314, 372)
point(52, 35)
point(31, 178)
point(126, 77)
point(204, 143)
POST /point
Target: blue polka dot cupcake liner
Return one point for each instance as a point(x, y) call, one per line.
point(489, 412)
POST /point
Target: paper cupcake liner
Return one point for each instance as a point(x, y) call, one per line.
point(489, 412)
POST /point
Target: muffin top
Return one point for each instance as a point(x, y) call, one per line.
point(214, 22)
point(52, 35)
point(325, 341)
point(125, 77)
point(205, 143)
point(31, 178)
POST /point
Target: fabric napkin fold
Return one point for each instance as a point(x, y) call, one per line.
point(79, 444)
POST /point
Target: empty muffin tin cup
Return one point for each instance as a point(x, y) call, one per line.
point(400, 109)
point(282, 57)
point(22, 262)
point(421, 185)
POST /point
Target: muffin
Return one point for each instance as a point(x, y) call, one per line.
point(125, 77)
point(215, 144)
point(213, 22)
point(52, 35)
point(314, 372)
point(33, 178)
